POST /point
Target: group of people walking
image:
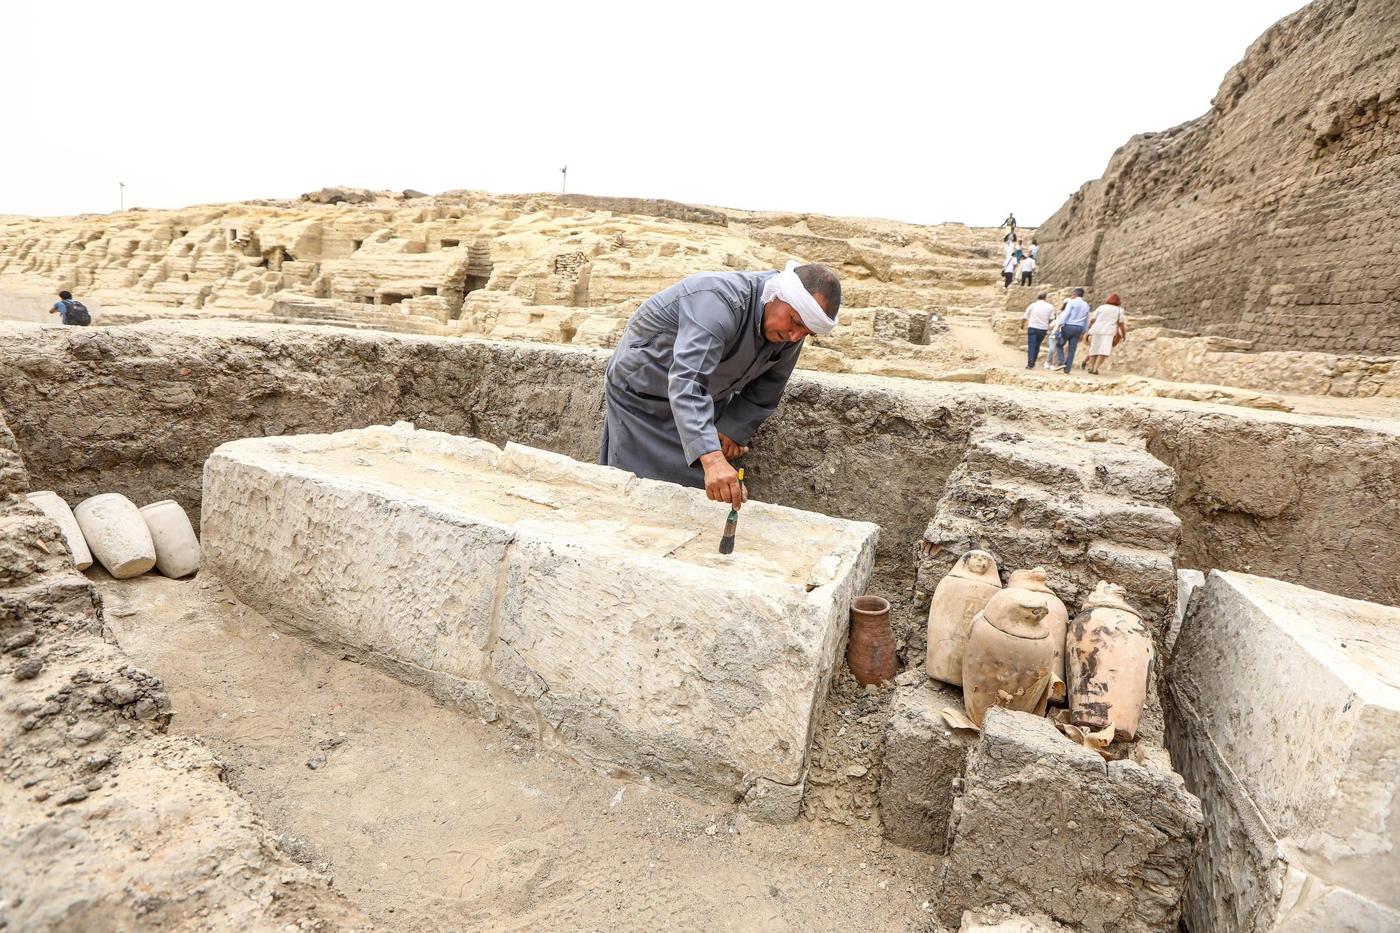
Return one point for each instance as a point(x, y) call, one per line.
point(1105, 326)
point(1019, 260)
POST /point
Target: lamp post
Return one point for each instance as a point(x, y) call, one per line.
point(121, 186)
point(564, 179)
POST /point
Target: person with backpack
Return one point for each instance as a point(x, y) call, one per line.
point(70, 311)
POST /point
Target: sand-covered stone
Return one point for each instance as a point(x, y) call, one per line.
point(923, 761)
point(576, 601)
point(1045, 825)
point(1284, 715)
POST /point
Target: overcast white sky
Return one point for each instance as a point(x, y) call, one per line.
point(926, 112)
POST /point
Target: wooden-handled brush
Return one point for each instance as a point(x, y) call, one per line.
point(731, 524)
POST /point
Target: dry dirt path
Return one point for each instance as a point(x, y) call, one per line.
point(430, 820)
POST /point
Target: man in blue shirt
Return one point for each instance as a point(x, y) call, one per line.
point(1074, 319)
point(70, 311)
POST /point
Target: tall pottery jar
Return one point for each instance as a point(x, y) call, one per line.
point(1009, 656)
point(117, 534)
point(1110, 661)
point(1056, 622)
point(52, 505)
point(177, 548)
point(870, 651)
point(960, 595)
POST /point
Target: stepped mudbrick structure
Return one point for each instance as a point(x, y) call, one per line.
point(1275, 217)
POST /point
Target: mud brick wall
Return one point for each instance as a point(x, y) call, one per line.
point(1276, 215)
point(138, 409)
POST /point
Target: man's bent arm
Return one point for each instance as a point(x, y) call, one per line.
point(703, 322)
point(755, 402)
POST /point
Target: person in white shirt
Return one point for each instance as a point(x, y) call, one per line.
point(1037, 321)
point(1008, 270)
point(1027, 270)
point(1106, 326)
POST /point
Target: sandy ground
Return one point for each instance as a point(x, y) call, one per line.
point(429, 820)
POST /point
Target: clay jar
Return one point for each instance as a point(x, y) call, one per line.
point(1056, 621)
point(55, 508)
point(1009, 656)
point(1110, 658)
point(870, 651)
point(117, 534)
point(959, 596)
point(177, 548)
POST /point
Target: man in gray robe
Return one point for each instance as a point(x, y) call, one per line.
point(702, 364)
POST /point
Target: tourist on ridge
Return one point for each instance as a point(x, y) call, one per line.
point(1010, 221)
point(1107, 327)
point(1073, 320)
point(702, 364)
point(1037, 320)
point(1027, 270)
point(1008, 269)
point(70, 311)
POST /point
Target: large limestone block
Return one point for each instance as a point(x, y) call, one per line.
point(577, 601)
point(1284, 714)
point(923, 761)
point(1046, 825)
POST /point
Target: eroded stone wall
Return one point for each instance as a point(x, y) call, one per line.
point(138, 409)
point(91, 785)
point(1274, 216)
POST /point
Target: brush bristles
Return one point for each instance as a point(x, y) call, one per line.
point(726, 543)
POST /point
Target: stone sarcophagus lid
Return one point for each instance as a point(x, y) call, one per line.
point(578, 602)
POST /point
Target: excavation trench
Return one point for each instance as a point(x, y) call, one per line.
point(426, 817)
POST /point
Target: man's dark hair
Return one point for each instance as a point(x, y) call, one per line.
point(819, 280)
point(66, 295)
point(1079, 293)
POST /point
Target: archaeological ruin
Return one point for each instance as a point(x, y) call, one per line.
point(318, 612)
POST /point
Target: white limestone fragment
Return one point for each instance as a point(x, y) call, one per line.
point(177, 547)
point(117, 534)
point(578, 601)
point(52, 505)
point(1286, 719)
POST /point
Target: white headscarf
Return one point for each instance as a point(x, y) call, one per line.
point(787, 286)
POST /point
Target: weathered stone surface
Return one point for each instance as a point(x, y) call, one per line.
point(1309, 499)
point(556, 269)
point(1085, 511)
point(1265, 217)
point(1048, 826)
point(90, 788)
point(577, 601)
point(1001, 919)
point(1186, 583)
point(1284, 714)
point(923, 763)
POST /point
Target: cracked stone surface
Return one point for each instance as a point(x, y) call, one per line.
point(106, 821)
point(575, 602)
point(1300, 785)
point(1045, 825)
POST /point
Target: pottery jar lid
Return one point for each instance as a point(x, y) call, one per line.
point(990, 575)
point(1033, 579)
point(1018, 612)
point(1109, 596)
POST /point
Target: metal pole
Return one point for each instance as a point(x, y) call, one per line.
point(564, 180)
point(122, 186)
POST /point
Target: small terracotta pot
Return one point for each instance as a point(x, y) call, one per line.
point(870, 651)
